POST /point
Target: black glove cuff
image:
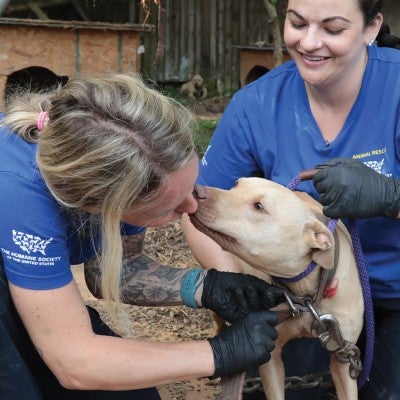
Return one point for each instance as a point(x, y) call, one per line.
point(218, 372)
point(206, 297)
point(393, 208)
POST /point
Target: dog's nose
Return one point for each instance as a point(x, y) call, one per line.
point(200, 192)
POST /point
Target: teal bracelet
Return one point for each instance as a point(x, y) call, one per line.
point(188, 287)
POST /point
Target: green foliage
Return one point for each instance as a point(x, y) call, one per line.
point(172, 91)
point(202, 133)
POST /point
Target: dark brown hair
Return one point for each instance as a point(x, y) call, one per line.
point(370, 9)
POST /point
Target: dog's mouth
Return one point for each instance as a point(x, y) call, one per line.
point(221, 238)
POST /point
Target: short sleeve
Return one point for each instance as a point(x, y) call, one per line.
point(33, 235)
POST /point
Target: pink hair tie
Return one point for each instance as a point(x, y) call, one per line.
point(41, 121)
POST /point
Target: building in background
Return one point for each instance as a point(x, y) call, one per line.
point(218, 39)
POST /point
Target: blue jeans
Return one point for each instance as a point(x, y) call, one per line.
point(23, 374)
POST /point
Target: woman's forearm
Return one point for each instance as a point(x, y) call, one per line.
point(143, 282)
point(131, 364)
point(82, 360)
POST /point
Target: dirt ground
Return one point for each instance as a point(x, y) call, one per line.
point(209, 108)
point(168, 246)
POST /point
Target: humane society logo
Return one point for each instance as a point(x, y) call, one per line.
point(377, 165)
point(30, 244)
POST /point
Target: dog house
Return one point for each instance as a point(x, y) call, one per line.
point(256, 56)
point(69, 47)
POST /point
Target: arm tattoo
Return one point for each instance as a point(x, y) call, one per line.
point(144, 281)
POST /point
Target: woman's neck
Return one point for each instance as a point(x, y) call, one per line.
point(331, 103)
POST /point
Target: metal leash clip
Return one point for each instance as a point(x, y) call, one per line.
point(325, 327)
point(295, 310)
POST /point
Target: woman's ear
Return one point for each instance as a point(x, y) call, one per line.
point(373, 29)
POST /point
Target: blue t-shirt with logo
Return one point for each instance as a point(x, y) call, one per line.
point(268, 130)
point(39, 239)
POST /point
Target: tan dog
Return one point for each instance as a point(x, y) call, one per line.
point(280, 232)
point(194, 88)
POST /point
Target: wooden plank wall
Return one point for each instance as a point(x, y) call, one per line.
point(68, 48)
point(200, 37)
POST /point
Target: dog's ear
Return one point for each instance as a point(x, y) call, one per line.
point(321, 243)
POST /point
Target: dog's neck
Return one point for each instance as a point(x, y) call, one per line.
point(313, 284)
point(307, 286)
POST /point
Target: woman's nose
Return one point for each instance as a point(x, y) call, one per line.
point(188, 206)
point(311, 40)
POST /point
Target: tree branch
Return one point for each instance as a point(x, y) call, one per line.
point(276, 32)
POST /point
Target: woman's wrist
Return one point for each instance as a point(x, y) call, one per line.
point(192, 287)
point(199, 287)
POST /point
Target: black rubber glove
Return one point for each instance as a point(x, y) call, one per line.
point(350, 189)
point(245, 344)
point(233, 295)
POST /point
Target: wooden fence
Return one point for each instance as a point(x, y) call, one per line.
point(206, 37)
point(202, 36)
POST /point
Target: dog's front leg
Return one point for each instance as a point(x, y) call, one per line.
point(273, 376)
point(346, 387)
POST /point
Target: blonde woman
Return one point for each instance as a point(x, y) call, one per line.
point(83, 171)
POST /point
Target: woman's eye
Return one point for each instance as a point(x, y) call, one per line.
point(334, 32)
point(258, 206)
point(297, 26)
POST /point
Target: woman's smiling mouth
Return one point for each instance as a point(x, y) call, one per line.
point(313, 58)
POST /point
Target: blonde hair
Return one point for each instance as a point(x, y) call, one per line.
point(110, 143)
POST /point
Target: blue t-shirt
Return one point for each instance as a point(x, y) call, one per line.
point(268, 130)
point(39, 239)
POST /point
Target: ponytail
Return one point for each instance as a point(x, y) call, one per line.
point(386, 39)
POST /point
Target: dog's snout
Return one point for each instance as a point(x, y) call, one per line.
point(200, 192)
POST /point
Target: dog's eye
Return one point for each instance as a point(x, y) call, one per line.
point(258, 206)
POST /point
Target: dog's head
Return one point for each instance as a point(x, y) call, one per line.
point(264, 224)
point(198, 81)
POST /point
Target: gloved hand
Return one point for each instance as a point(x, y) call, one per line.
point(245, 344)
point(350, 189)
point(233, 295)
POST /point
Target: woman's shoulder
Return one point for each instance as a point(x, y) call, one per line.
point(384, 54)
point(383, 72)
point(18, 156)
